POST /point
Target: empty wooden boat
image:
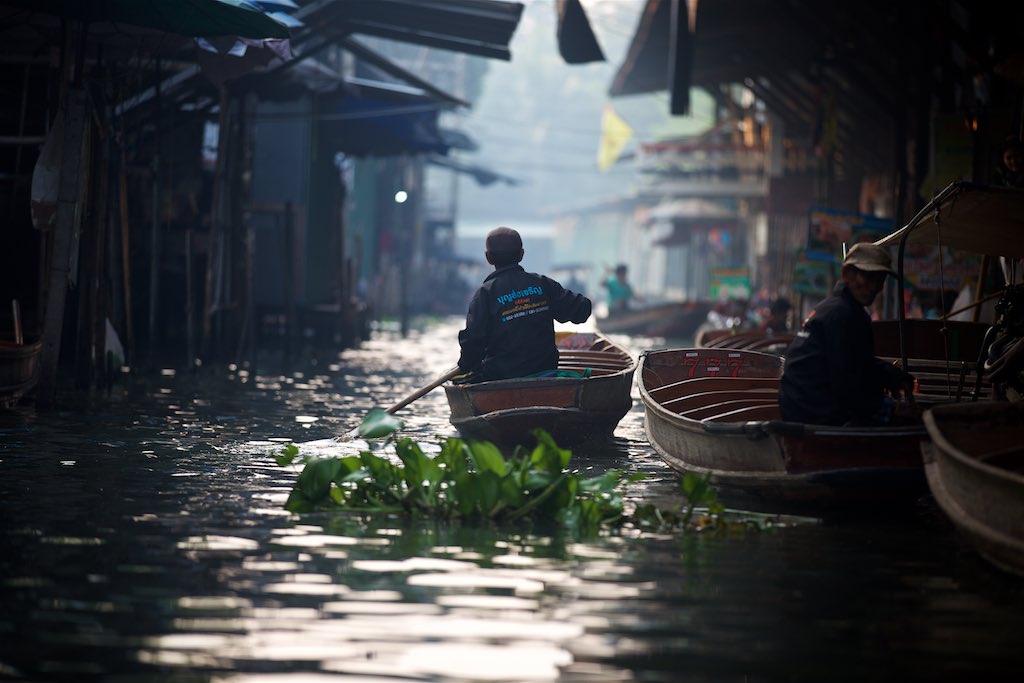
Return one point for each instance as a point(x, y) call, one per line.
point(975, 469)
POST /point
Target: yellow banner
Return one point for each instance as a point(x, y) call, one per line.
point(615, 133)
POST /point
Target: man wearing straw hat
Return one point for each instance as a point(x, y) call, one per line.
point(831, 375)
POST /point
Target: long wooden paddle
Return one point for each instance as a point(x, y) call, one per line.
point(448, 374)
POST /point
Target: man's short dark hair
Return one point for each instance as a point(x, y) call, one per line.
point(504, 246)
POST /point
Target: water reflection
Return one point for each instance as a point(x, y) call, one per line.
point(144, 539)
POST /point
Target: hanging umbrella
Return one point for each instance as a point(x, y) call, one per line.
point(184, 17)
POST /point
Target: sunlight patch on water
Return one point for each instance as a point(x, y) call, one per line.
point(379, 608)
point(414, 564)
point(257, 565)
point(218, 543)
point(297, 588)
point(212, 602)
point(71, 540)
point(482, 579)
point(467, 661)
point(324, 541)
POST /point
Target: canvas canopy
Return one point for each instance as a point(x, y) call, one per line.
point(982, 219)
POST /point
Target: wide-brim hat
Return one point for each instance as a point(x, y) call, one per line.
point(869, 257)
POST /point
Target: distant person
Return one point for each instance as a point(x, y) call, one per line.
point(831, 375)
point(1010, 172)
point(778, 317)
point(510, 329)
point(620, 292)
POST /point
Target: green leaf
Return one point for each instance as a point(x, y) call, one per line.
point(487, 457)
point(463, 493)
point(377, 423)
point(454, 457)
point(606, 482)
point(286, 455)
point(383, 474)
point(550, 449)
point(512, 494)
point(315, 479)
point(422, 475)
point(488, 492)
point(346, 466)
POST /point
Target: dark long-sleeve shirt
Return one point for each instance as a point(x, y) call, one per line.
point(510, 328)
point(831, 375)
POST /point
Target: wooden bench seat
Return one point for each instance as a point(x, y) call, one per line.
point(748, 414)
point(713, 410)
point(697, 385)
point(940, 381)
point(703, 398)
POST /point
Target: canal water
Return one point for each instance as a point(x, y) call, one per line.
point(143, 538)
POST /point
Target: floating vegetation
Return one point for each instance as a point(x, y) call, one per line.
point(472, 481)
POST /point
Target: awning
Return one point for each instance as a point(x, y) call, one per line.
point(576, 40)
point(483, 176)
point(659, 56)
point(476, 27)
point(977, 218)
point(183, 17)
point(374, 120)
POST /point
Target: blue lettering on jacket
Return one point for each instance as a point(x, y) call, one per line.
point(518, 294)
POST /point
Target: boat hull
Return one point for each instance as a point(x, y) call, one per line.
point(19, 371)
point(573, 410)
point(672, 320)
point(768, 465)
point(975, 469)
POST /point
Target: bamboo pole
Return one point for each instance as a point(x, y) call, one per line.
point(126, 263)
point(19, 339)
point(154, 228)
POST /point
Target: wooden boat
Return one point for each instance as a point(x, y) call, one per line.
point(715, 412)
point(975, 468)
point(673, 320)
point(750, 340)
point(573, 409)
point(19, 365)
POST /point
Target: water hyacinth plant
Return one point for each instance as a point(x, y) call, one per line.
point(472, 481)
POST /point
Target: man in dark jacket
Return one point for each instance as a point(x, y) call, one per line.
point(510, 329)
point(831, 375)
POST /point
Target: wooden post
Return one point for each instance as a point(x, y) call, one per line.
point(154, 228)
point(19, 338)
point(63, 238)
point(289, 277)
point(126, 262)
point(190, 332)
point(214, 266)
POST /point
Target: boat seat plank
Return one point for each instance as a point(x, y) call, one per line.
point(724, 407)
point(702, 384)
point(605, 361)
point(751, 413)
point(941, 381)
point(703, 398)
